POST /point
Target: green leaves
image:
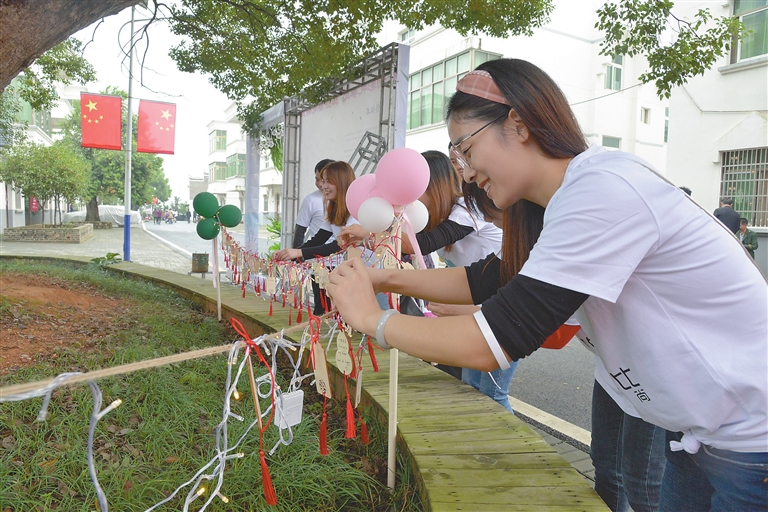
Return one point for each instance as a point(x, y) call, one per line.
point(676, 49)
point(259, 51)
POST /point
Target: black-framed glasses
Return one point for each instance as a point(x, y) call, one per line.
point(460, 155)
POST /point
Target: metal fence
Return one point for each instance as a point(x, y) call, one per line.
point(744, 178)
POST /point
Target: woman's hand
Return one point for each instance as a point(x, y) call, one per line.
point(286, 254)
point(353, 234)
point(352, 292)
point(452, 309)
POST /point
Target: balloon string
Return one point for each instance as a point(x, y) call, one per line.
point(414, 243)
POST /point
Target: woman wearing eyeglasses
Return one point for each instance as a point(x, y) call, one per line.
point(654, 280)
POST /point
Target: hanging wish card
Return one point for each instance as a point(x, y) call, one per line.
point(323, 278)
point(390, 261)
point(359, 386)
point(354, 252)
point(271, 286)
point(343, 360)
point(322, 383)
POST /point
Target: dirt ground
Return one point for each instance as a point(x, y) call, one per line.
point(38, 316)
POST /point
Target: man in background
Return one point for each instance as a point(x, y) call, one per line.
point(727, 215)
point(312, 211)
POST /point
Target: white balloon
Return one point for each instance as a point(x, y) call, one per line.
point(376, 214)
point(418, 215)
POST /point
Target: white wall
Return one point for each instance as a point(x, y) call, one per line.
point(567, 49)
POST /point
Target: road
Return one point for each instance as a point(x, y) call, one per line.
point(184, 236)
point(556, 381)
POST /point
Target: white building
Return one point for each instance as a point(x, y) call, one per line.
point(612, 108)
point(718, 133)
point(225, 177)
point(42, 128)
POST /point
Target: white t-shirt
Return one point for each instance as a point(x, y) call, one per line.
point(677, 313)
point(484, 239)
point(312, 214)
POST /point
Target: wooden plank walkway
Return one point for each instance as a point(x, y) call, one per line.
point(467, 453)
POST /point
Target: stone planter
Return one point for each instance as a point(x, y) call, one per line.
point(96, 224)
point(66, 234)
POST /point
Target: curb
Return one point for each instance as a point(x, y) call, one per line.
point(559, 428)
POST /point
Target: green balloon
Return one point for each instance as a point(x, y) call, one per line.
point(229, 215)
point(205, 204)
point(208, 229)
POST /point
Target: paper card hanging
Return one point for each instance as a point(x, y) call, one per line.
point(343, 361)
point(322, 383)
point(359, 386)
point(354, 252)
point(324, 278)
point(271, 286)
point(390, 261)
point(288, 407)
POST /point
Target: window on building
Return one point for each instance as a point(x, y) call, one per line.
point(611, 142)
point(666, 124)
point(645, 115)
point(432, 87)
point(18, 203)
point(613, 73)
point(744, 178)
point(217, 140)
point(407, 35)
point(754, 15)
point(236, 165)
point(265, 203)
point(218, 171)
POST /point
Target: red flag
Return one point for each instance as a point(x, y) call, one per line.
point(157, 127)
point(101, 118)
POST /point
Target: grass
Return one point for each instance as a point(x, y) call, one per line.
point(163, 432)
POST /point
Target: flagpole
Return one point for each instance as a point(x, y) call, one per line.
point(128, 151)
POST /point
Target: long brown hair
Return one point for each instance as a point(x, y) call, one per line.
point(443, 190)
point(342, 175)
point(522, 223)
point(551, 124)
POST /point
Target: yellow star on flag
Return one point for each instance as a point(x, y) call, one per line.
point(166, 114)
point(91, 105)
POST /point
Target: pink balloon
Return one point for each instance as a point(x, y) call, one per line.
point(402, 176)
point(361, 189)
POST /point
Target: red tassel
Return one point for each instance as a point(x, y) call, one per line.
point(290, 314)
point(258, 285)
point(351, 432)
point(269, 489)
point(270, 308)
point(298, 317)
point(283, 300)
point(295, 301)
point(364, 431)
point(324, 430)
point(373, 356)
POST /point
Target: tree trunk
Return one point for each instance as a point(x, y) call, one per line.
point(39, 26)
point(92, 210)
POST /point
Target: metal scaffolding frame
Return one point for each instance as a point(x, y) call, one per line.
point(382, 65)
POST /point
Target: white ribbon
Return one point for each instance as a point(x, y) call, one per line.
point(688, 443)
point(414, 243)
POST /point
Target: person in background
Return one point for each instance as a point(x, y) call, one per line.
point(615, 251)
point(336, 177)
point(311, 213)
point(748, 237)
point(727, 215)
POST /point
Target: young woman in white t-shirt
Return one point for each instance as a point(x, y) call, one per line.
point(655, 282)
point(335, 181)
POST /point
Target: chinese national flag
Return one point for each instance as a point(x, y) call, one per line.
point(157, 127)
point(101, 118)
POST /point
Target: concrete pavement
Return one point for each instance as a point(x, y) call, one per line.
point(571, 442)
